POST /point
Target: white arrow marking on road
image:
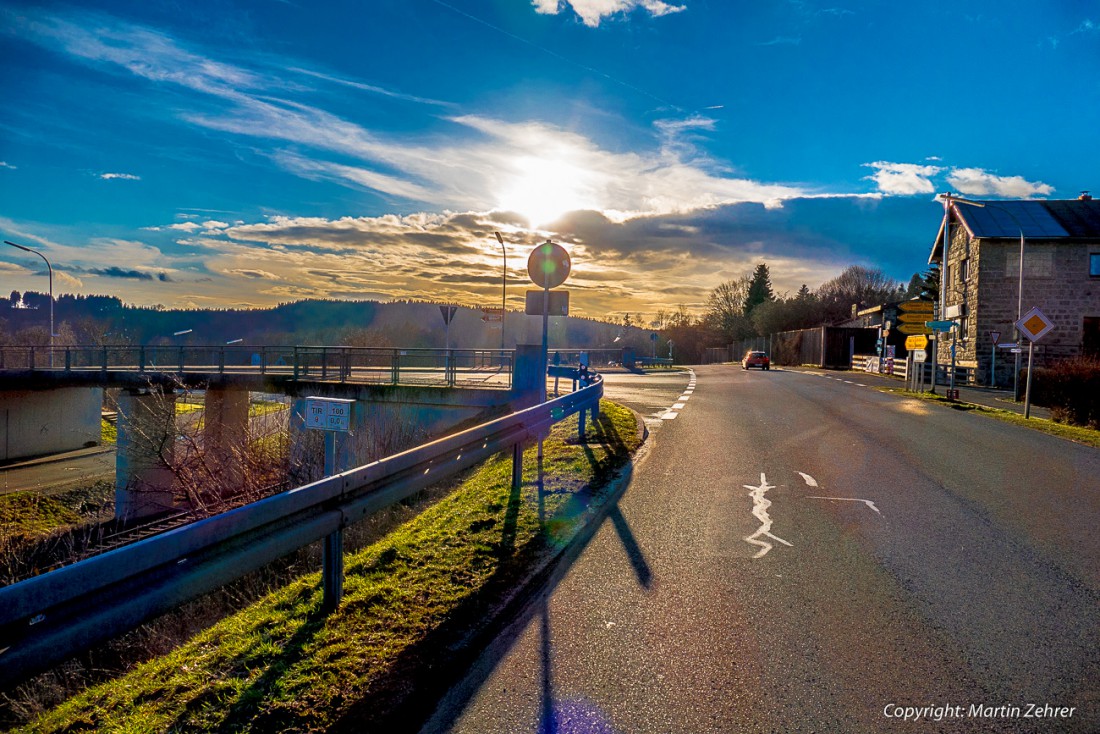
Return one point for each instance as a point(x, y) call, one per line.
point(810, 481)
point(869, 503)
point(760, 507)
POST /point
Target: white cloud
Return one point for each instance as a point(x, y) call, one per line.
point(66, 280)
point(120, 176)
point(1087, 26)
point(591, 12)
point(185, 226)
point(903, 178)
point(977, 182)
point(5, 164)
point(782, 41)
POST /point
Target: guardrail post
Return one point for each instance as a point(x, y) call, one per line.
point(104, 366)
point(68, 360)
point(332, 572)
point(324, 363)
point(295, 363)
point(345, 366)
point(517, 465)
point(30, 359)
point(395, 366)
point(181, 360)
point(141, 359)
point(263, 360)
point(221, 361)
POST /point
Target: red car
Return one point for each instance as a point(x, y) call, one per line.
point(756, 359)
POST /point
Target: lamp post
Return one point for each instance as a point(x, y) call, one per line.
point(49, 269)
point(1019, 283)
point(503, 292)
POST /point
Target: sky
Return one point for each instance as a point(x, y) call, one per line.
point(231, 153)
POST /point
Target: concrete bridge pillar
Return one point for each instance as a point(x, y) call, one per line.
point(40, 422)
point(144, 481)
point(225, 438)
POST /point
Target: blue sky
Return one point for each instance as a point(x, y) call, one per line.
point(236, 153)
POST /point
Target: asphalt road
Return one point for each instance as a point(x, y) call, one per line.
point(796, 553)
point(54, 477)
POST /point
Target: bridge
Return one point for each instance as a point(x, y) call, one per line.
point(51, 400)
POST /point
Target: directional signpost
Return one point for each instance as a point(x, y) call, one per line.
point(1034, 325)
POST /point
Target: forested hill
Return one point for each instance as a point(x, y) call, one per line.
point(24, 319)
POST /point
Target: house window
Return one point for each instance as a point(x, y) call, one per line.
point(964, 270)
point(1094, 264)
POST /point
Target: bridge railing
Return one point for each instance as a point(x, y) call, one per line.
point(47, 619)
point(467, 367)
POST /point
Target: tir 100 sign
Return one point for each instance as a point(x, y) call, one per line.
point(329, 414)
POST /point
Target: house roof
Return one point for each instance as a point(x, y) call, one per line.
point(1047, 220)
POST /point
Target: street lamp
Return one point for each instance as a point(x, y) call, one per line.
point(948, 199)
point(49, 268)
point(503, 292)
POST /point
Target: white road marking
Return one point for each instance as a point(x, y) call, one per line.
point(869, 503)
point(678, 406)
point(685, 397)
point(860, 384)
point(760, 507)
point(669, 416)
point(810, 481)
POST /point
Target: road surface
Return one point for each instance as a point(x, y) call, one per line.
point(800, 553)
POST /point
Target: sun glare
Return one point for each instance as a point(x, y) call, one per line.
point(543, 190)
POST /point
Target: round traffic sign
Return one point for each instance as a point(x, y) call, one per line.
point(548, 265)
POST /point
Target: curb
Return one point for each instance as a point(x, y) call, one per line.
point(56, 458)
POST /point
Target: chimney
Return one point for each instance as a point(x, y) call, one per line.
point(1085, 196)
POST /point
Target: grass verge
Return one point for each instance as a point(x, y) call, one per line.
point(108, 432)
point(1078, 434)
point(412, 601)
point(26, 516)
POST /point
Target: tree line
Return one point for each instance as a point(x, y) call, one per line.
point(748, 306)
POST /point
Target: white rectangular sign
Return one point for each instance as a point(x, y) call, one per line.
point(920, 355)
point(329, 414)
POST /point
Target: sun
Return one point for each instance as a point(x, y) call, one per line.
point(543, 190)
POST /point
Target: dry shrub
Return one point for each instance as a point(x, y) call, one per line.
point(1071, 389)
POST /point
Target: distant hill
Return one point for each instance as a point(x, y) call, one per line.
point(24, 319)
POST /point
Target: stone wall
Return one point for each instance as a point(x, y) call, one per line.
point(1056, 279)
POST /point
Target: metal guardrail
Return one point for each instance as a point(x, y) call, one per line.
point(375, 365)
point(46, 619)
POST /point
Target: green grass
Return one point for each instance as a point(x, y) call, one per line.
point(1078, 434)
point(25, 516)
point(108, 432)
point(410, 601)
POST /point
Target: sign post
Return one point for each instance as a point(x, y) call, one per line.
point(1034, 325)
point(548, 265)
point(994, 337)
point(333, 416)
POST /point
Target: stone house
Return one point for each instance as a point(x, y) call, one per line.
point(1061, 276)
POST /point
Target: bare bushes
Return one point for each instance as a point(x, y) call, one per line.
point(1071, 389)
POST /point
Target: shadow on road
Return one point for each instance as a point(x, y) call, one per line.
point(445, 670)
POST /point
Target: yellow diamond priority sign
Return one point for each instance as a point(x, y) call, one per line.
point(1034, 324)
